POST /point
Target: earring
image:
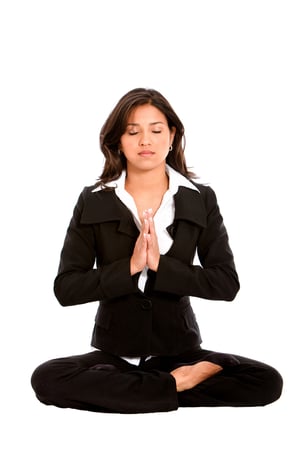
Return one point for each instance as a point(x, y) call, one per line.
point(170, 147)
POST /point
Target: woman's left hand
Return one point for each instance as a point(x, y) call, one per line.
point(153, 254)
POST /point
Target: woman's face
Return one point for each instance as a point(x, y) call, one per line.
point(147, 138)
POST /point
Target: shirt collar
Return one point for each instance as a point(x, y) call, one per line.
point(176, 180)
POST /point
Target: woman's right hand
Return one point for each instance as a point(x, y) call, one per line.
point(138, 259)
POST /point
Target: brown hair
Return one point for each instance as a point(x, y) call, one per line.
point(115, 126)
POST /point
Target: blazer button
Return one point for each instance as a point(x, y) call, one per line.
point(146, 304)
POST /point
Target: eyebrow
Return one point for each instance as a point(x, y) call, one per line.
point(153, 123)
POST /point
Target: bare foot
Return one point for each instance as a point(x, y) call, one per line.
point(188, 376)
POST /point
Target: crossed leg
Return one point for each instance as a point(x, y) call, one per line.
point(188, 376)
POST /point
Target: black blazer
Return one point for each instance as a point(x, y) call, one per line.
point(95, 266)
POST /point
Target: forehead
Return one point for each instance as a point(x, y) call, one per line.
point(146, 113)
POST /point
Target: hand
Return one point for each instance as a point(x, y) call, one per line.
point(153, 254)
point(146, 250)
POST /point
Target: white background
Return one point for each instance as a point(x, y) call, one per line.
point(231, 71)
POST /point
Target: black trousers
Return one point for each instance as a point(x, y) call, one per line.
point(101, 382)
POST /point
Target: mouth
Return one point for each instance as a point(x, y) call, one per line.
point(146, 153)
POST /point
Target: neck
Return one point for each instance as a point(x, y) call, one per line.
point(147, 180)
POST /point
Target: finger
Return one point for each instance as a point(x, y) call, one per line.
point(146, 228)
point(151, 225)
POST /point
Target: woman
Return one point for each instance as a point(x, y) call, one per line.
point(141, 241)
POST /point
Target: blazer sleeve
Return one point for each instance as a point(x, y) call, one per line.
point(216, 278)
point(78, 280)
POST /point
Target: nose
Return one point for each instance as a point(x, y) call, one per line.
point(145, 139)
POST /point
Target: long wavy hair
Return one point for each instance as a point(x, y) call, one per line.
point(115, 126)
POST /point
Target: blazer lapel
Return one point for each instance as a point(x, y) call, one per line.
point(190, 217)
point(189, 206)
point(104, 206)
